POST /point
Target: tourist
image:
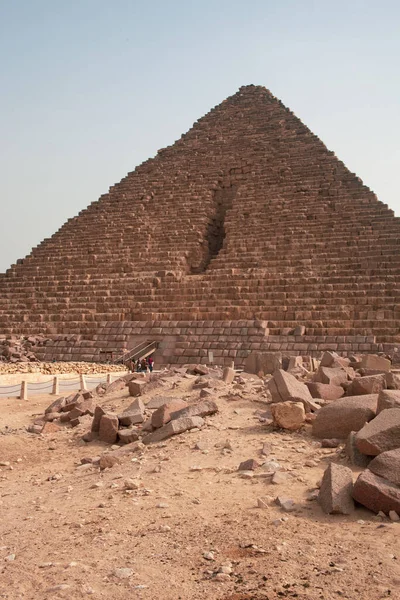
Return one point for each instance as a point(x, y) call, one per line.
point(143, 365)
point(151, 364)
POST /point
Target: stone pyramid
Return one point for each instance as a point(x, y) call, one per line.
point(246, 234)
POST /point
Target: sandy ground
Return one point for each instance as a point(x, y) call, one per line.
point(72, 533)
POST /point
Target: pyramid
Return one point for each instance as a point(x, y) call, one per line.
point(246, 234)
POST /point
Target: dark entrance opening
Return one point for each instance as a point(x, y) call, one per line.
point(215, 232)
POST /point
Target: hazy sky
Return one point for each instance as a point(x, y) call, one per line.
point(91, 88)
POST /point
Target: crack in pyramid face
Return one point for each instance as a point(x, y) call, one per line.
point(248, 217)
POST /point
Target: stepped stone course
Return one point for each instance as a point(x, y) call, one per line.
point(246, 235)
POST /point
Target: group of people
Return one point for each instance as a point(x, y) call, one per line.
point(143, 365)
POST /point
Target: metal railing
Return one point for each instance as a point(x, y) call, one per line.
point(138, 352)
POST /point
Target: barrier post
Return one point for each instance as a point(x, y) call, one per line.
point(24, 390)
point(55, 386)
point(82, 381)
point(108, 378)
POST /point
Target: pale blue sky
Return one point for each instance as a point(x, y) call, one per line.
point(91, 88)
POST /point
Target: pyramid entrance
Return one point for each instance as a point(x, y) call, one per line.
point(247, 234)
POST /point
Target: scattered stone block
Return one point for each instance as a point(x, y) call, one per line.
point(108, 430)
point(381, 434)
point(338, 419)
point(288, 415)
point(376, 493)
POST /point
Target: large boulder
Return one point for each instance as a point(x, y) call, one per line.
point(338, 419)
point(371, 384)
point(381, 434)
point(263, 363)
point(388, 399)
point(372, 361)
point(325, 391)
point(335, 495)
point(285, 387)
point(288, 415)
point(376, 493)
point(387, 465)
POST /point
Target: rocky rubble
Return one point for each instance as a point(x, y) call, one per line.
point(83, 368)
point(18, 349)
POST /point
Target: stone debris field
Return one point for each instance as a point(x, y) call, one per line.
point(281, 481)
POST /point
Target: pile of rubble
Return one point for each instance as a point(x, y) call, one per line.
point(60, 368)
point(355, 402)
point(17, 349)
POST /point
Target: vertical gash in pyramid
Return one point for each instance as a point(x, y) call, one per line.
point(246, 234)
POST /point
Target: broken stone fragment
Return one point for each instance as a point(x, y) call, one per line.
point(285, 387)
point(56, 406)
point(133, 414)
point(98, 413)
point(228, 375)
point(335, 495)
point(137, 387)
point(199, 409)
point(162, 415)
point(288, 415)
point(380, 434)
point(248, 465)
point(173, 428)
point(108, 430)
point(127, 436)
